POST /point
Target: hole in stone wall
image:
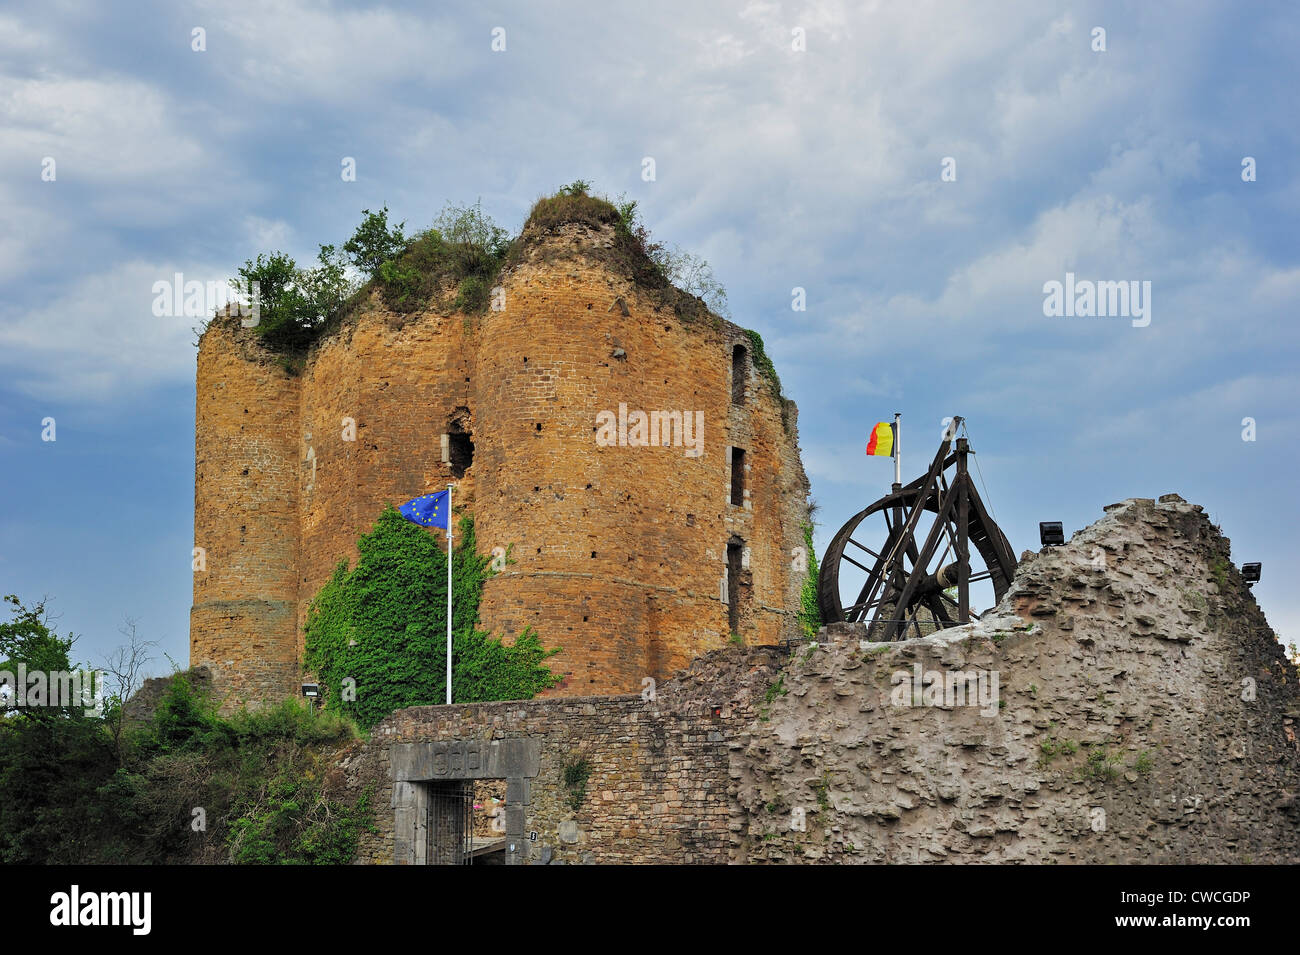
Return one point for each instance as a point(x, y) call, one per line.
point(735, 548)
point(460, 451)
point(739, 371)
point(738, 477)
point(460, 443)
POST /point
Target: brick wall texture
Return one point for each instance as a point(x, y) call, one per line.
point(619, 552)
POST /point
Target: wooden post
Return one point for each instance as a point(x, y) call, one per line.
point(963, 528)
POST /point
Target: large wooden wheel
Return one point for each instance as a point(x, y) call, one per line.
point(906, 564)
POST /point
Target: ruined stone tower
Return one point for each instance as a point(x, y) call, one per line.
point(634, 559)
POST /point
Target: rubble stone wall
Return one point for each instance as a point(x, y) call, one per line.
point(1125, 703)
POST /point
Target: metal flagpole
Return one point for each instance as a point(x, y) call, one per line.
point(898, 451)
point(449, 487)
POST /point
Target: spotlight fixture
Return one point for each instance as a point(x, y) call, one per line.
point(1051, 533)
point(1250, 572)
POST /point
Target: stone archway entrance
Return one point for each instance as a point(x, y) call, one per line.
point(433, 792)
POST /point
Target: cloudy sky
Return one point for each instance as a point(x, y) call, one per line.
point(818, 168)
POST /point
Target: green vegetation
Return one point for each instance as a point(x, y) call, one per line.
point(1219, 571)
point(1101, 764)
point(810, 614)
point(464, 249)
point(776, 689)
point(576, 774)
point(455, 264)
point(651, 264)
point(376, 636)
point(374, 243)
point(823, 788)
point(736, 640)
point(1144, 764)
point(29, 638)
point(763, 364)
point(773, 691)
point(187, 785)
point(1051, 748)
point(294, 303)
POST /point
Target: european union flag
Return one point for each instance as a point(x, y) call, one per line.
point(428, 510)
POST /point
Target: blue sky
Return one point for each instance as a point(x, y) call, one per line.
point(816, 168)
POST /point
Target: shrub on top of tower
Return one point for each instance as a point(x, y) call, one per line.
point(464, 248)
point(296, 303)
point(453, 265)
point(374, 243)
point(654, 265)
point(572, 203)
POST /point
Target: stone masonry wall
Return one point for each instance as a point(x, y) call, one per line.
point(659, 784)
point(1143, 712)
point(619, 553)
point(246, 485)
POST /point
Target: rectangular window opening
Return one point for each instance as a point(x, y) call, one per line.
point(738, 477)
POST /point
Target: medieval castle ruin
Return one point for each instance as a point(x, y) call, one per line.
point(636, 460)
point(1125, 701)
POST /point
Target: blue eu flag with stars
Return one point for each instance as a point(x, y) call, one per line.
point(428, 510)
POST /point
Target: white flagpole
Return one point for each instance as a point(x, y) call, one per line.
point(449, 593)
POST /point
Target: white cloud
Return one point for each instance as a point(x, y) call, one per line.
point(101, 132)
point(291, 51)
point(98, 340)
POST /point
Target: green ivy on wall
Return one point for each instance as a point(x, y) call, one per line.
point(376, 635)
point(810, 615)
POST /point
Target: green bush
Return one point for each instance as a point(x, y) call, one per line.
point(465, 250)
point(374, 243)
point(257, 779)
point(293, 303)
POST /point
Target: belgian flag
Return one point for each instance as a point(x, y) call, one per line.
point(881, 442)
